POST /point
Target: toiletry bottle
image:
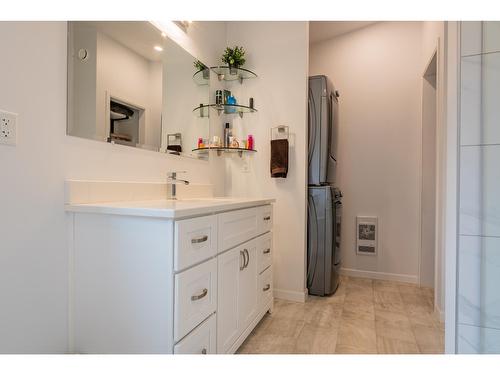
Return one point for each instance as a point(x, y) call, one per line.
point(200, 143)
point(250, 142)
point(227, 134)
point(232, 101)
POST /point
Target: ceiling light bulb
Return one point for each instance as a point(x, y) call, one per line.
point(164, 35)
point(158, 48)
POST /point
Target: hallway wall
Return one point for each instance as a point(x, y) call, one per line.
point(378, 70)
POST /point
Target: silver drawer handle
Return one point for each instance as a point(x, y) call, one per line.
point(267, 218)
point(267, 251)
point(204, 351)
point(199, 296)
point(199, 239)
point(266, 288)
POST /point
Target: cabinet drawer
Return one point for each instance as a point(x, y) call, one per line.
point(201, 341)
point(264, 251)
point(195, 297)
point(265, 218)
point(236, 227)
point(265, 286)
point(195, 240)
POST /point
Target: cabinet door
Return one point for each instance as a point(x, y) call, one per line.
point(247, 293)
point(227, 298)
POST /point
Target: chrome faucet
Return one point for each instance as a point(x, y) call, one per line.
point(172, 178)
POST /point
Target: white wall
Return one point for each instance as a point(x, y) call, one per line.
point(33, 248)
point(126, 75)
point(377, 71)
point(277, 52)
point(180, 96)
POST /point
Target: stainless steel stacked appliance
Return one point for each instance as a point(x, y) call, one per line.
point(324, 199)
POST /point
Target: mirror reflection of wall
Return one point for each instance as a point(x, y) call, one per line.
point(128, 84)
point(180, 96)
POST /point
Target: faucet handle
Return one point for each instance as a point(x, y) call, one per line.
point(174, 173)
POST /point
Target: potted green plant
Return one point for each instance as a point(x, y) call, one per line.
point(202, 67)
point(234, 58)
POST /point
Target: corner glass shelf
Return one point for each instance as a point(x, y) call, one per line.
point(221, 150)
point(224, 73)
point(202, 77)
point(228, 109)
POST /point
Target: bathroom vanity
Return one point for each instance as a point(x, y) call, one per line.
point(163, 276)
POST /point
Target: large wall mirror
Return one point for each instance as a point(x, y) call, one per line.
point(129, 84)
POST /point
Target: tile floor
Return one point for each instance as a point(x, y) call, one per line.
point(364, 316)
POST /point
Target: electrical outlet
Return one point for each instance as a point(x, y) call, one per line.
point(8, 128)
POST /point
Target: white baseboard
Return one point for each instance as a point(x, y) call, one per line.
point(290, 295)
point(379, 275)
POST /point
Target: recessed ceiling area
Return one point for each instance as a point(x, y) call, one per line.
point(141, 37)
point(324, 30)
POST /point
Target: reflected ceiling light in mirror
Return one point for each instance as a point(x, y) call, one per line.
point(169, 28)
point(158, 48)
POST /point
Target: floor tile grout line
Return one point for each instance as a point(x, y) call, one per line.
point(319, 305)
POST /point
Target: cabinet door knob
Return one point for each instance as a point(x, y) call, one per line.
point(266, 218)
point(200, 296)
point(267, 251)
point(199, 239)
point(266, 288)
point(204, 351)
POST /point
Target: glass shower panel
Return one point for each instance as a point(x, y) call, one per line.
point(478, 297)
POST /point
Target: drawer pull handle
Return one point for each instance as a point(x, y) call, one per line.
point(266, 218)
point(267, 251)
point(200, 296)
point(199, 239)
point(204, 351)
point(266, 288)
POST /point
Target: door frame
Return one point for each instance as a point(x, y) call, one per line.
point(437, 125)
point(452, 103)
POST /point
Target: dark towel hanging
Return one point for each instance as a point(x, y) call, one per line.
point(279, 158)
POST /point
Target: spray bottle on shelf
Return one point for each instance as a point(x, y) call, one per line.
point(250, 142)
point(227, 134)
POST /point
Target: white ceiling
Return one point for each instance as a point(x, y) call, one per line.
point(323, 30)
point(139, 36)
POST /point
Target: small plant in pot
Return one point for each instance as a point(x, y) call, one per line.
point(234, 58)
point(202, 68)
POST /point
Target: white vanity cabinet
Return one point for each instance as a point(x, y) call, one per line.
point(195, 285)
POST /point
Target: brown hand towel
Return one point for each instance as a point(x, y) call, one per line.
point(279, 158)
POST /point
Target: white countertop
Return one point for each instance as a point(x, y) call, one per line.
point(169, 209)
